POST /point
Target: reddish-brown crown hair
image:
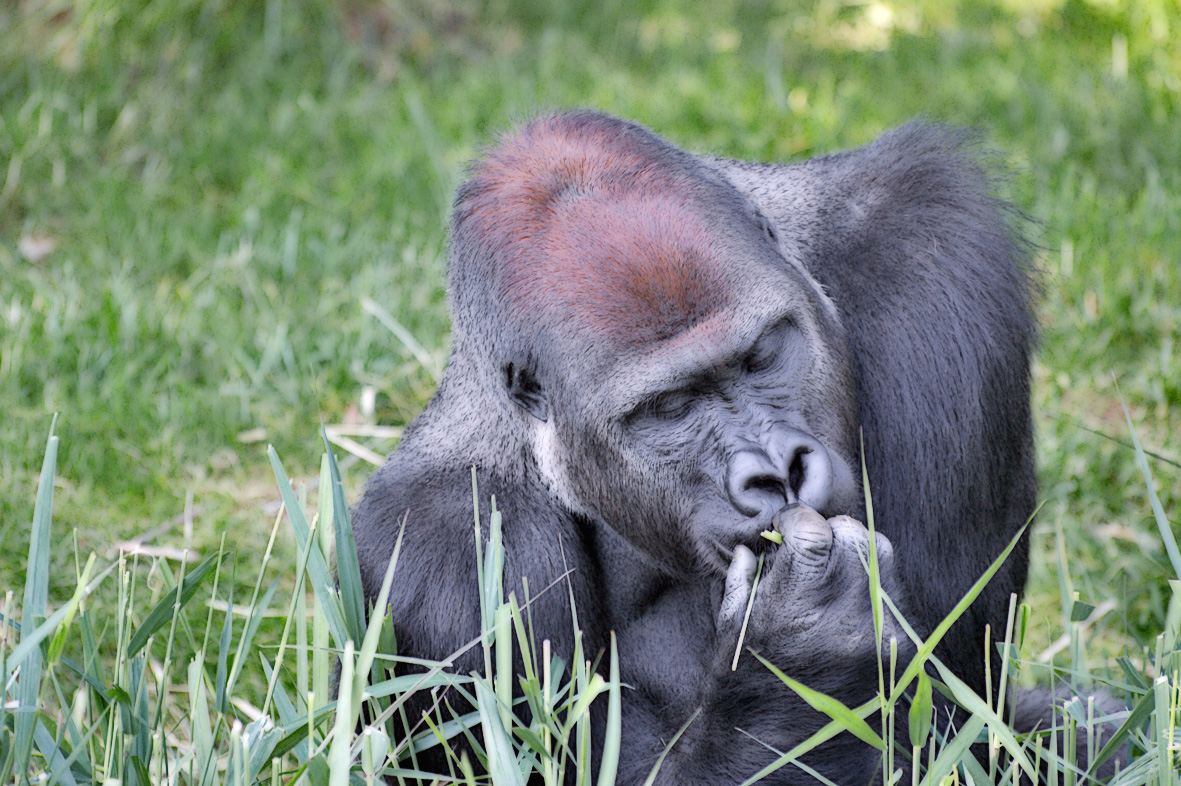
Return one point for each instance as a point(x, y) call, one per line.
point(582, 218)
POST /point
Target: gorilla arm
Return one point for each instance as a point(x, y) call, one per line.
point(811, 617)
point(434, 598)
point(932, 286)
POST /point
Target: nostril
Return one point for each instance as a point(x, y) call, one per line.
point(765, 484)
point(796, 472)
point(755, 486)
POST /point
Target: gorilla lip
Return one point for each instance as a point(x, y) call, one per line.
point(773, 534)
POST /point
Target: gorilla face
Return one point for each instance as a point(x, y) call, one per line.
point(676, 376)
point(688, 444)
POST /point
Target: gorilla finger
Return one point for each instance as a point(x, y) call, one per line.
point(852, 543)
point(739, 577)
point(808, 535)
point(802, 562)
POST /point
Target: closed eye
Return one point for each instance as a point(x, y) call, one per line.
point(666, 406)
point(765, 353)
point(761, 360)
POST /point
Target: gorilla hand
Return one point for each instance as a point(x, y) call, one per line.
point(811, 608)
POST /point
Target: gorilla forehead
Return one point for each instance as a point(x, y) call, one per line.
point(637, 270)
point(588, 225)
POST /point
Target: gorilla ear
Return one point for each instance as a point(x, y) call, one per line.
point(766, 226)
point(523, 388)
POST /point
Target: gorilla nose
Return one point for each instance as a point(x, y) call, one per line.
point(792, 467)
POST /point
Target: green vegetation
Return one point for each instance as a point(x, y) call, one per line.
point(224, 223)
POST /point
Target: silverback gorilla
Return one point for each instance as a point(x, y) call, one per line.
point(656, 357)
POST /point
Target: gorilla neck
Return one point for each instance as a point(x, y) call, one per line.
point(636, 580)
point(468, 422)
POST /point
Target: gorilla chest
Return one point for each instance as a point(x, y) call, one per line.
point(666, 646)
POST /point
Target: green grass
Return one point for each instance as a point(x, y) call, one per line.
point(223, 185)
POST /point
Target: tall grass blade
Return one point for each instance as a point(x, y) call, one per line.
point(502, 763)
point(30, 646)
point(299, 621)
point(221, 678)
point(609, 764)
point(373, 633)
point(927, 647)
point(829, 706)
point(875, 581)
point(339, 755)
point(651, 779)
point(821, 736)
point(505, 679)
point(257, 612)
point(58, 642)
point(1164, 724)
point(348, 568)
point(750, 603)
point(135, 719)
point(1158, 511)
point(201, 724)
point(1135, 721)
point(54, 756)
point(261, 736)
point(954, 751)
point(979, 708)
point(919, 716)
point(321, 578)
point(295, 735)
point(36, 596)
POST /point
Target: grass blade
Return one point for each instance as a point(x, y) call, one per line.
point(609, 765)
point(953, 752)
point(348, 568)
point(1158, 511)
point(920, 712)
point(651, 779)
point(1135, 721)
point(979, 708)
point(927, 647)
point(829, 706)
point(165, 609)
point(822, 735)
point(502, 763)
point(36, 597)
point(321, 578)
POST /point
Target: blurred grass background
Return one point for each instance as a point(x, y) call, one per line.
point(196, 197)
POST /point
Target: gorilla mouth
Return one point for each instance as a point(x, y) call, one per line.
point(753, 540)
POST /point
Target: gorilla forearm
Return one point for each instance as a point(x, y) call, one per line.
point(715, 749)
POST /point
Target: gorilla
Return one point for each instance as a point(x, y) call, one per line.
point(658, 356)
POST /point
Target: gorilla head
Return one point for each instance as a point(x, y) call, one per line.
point(673, 373)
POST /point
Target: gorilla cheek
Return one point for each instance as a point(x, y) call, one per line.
point(553, 464)
point(643, 501)
point(846, 496)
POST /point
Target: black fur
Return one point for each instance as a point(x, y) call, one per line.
point(897, 302)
